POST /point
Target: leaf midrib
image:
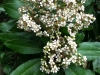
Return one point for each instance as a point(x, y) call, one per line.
point(30, 67)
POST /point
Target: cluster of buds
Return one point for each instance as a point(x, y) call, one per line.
point(46, 18)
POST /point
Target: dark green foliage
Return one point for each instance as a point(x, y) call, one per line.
point(75, 70)
point(96, 65)
point(20, 52)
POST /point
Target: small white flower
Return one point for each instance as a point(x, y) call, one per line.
point(83, 1)
point(45, 33)
point(51, 62)
point(66, 61)
point(47, 71)
point(84, 58)
point(39, 34)
point(55, 69)
point(34, 0)
point(74, 59)
point(42, 68)
point(25, 17)
point(69, 1)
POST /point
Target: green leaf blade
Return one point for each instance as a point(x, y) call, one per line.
point(9, 36)
point(28, 68)
point(88, 2)
point(69, 72)
point(96, 65)
point(12, 9)
point(75, 70)
point(89, 72)
point(79, 37)
point(5, 27)
point(90, 49)
point(23, 46)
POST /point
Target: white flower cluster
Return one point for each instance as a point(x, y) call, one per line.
point(61, 53)
point(26, 23)
point(46, 18)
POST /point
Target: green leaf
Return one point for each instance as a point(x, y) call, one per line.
point(88, 2)
point(10, 1)
point(13, 1)
point(96, 65)
point(9, 36)
point(23, 46)
point(75, 70)
point(7, 70)
point(79, 37)
point(90, 49)
point(90, 9)
point(5, 27)
point(31, 67)
point(44, 40)
point(12, 9)
point(89, 72)
point(64, 31)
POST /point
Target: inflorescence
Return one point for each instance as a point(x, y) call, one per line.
point(45, 18)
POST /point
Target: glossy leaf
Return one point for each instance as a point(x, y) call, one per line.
point(90, 9)
point(13, 1)
point(79, 37)
point(64, 30)
point(96, 65)
point(5, 27)
point(12, 9)
point(23, 46)
point(75, 70)
point(89, 72)
point(31, 67)
point(90, 49)
point(88, 2)
point(9, 36)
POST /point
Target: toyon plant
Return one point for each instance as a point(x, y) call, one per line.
point(50, 37)
point(49, 18)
